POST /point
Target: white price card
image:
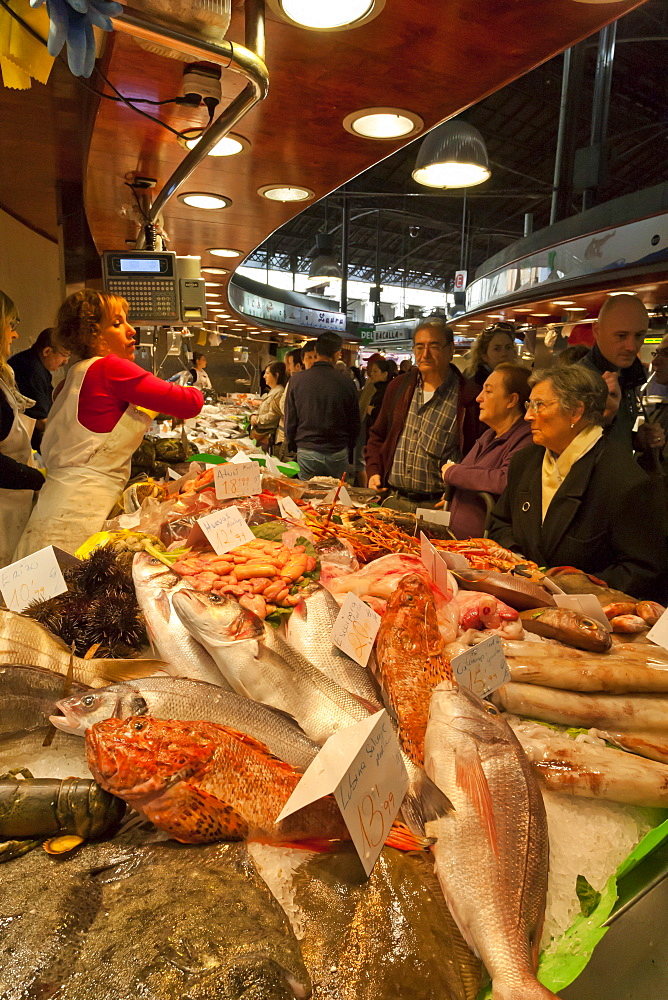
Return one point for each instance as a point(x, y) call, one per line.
point(225, 529)
point(482, 668)
point(658, 633)
point(36, 578)
point(584, 604)
point(434, 564)
point(435, 516)
point(344, 496)
point(239, 458)
point(355, 629)
point(289, 508)
point(271, 465)
point(237, 480)
point(363, 768)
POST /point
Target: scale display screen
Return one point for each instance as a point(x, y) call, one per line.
point(137, 264)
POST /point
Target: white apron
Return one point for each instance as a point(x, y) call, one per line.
point(202, 381)
point(15, 505)
point(86, 471)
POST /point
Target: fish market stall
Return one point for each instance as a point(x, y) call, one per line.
point(160, 715)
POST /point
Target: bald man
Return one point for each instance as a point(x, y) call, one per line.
point(619, 333)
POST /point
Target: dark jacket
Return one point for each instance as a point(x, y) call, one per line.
point(621, 428)
point(375, 403)
point(34, 381)
point(321, 411)
point(386, 431)
point(606, 518)
point(485, 469)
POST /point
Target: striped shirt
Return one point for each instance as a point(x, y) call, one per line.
point(430, 437)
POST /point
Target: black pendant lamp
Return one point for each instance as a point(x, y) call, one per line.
point(453, 155)
point(324, 266)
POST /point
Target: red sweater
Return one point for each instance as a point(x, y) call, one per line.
point(112, 384)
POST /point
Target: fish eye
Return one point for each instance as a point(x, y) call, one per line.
point(491, 709)
point(88, 700)
point(138, 726)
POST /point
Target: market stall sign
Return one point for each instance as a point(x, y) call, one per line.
point(243, 479)
point(289, 508)
point(434, 563)
point(36, 578)
point(225, 529)
point(584, 604)
point(482, 668)
point(355, 629)
point(363, 768)
point(344, 496)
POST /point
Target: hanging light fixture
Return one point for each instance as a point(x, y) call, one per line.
point(453, 155)
point(324, 266)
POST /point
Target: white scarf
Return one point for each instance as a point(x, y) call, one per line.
point(557, 467)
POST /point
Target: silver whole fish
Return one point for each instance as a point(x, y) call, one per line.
point(155, 586)
point(308, 631)
point(259, 664)
point(189, 701)
point(492, 850)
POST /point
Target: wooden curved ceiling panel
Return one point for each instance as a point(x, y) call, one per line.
point(433, 57)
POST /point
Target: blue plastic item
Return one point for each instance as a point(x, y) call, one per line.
point(72, 24)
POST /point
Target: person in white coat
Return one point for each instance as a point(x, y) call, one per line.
point(18, 478)
point(198, 377)
point(97, 421)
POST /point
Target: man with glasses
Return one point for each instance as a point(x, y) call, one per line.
point(428, 417)
point(619, 333)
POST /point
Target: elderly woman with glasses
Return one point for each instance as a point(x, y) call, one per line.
point(575, 498)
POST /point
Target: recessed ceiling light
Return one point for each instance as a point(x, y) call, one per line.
point(285, 192)
point(224, 252)
point(229, 145)
point(202, 199)
point(323, 16)
point(477, 321)
point(522, 310)
point(215, 270)
point(578, 309)
point(213, 284)
point(383, 123)
point(541, 314)
point(563, 302)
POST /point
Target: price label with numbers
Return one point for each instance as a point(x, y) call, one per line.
point(36, 578)
point(355, 629)
point(225, 529)
point(363, 768)
point(289, 508)
point(482, 668)
point(237, 480)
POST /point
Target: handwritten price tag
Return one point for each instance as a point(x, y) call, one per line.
point(289, 508)
point(584, 604)
point(36, 578)
point(362, 766)
point(355, 629)
point(225, 529)
point(482, 668)
point(243, 479)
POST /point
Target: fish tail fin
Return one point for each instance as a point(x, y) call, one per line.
point(404, 839)
point(113, 671)
point(471, 779)
point(524, 989)
point(424, 801)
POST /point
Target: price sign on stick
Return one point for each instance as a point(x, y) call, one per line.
point(289, 508)
point(237, 480)
point(363, 768)
point(355, 629)
point(35, 578)
point(482, 668)
point(225, 529)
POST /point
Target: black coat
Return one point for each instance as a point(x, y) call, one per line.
point(607, 518)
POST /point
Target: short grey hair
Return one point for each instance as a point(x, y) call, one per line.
point(573, 384)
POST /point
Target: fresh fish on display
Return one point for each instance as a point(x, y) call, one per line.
point(626, 654)
point(260, 665)
point(24, 641)
point(649, 611)
point(492, 850)
point(587, 767)
point(632, 713)
point(569, 627)
point(308, 631)
point(200, 782)
point(654, 746)
point(619, 608)
point(366, 939)
point(594, 673)
point(187, 700)
point(482, 611)
point(379, 578)
point(27, 696)
point(515, 591)
point(155, 585)
point(42, 807)
point(411, 662)
point(628, 623)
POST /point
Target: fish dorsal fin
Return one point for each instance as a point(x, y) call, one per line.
point(258, 747)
